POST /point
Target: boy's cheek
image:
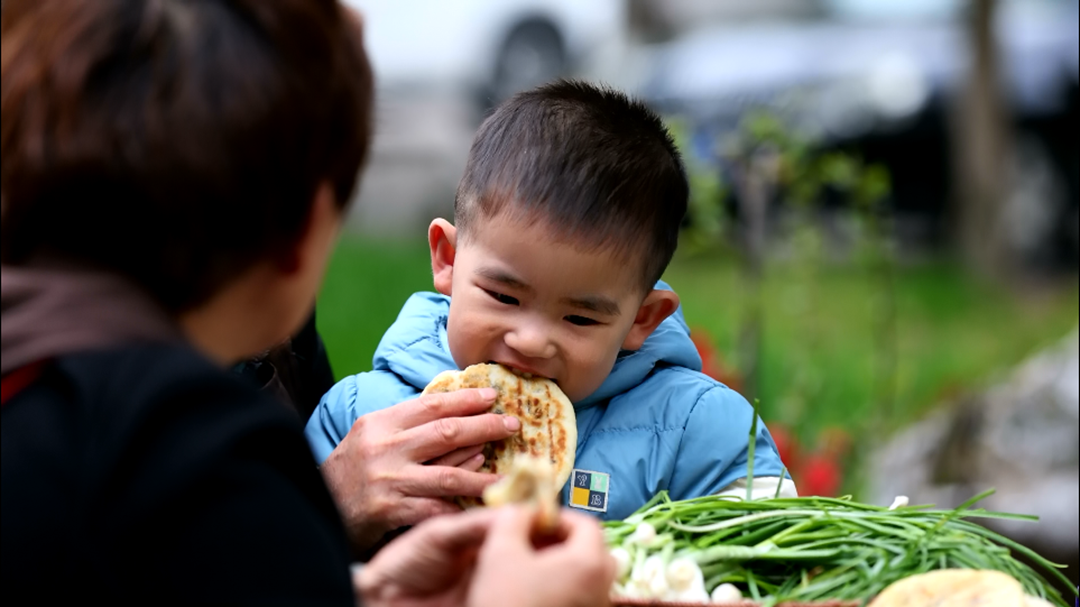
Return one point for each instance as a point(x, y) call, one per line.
point(591, 366)
point(468, 336)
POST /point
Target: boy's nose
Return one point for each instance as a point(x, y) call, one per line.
point(530, 342)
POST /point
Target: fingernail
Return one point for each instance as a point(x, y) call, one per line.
point(512, 424)
point(488, 393)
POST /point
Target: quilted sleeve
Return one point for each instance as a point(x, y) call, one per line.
point(714, 451)
point(350, 398)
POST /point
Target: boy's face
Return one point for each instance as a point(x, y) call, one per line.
point(539, 306)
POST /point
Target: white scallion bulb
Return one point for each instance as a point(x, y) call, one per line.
point(636, 588)
point(681, 573)
point(644, 535)
point(693, 594)
point(725, 593)
point(623, 561)
point(655, 576)
point(686, 581)
point(899, 502)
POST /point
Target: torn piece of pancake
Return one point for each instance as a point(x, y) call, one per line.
point(530, 481)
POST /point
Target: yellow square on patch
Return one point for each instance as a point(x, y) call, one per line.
point(579, 496)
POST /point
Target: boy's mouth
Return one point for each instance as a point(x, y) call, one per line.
point(525, 372)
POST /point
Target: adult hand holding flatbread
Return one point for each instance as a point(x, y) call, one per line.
point(395, 466)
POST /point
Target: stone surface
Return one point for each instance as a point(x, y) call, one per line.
point(1020, 437)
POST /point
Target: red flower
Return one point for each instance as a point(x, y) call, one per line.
point(711, 362)
point(818, 473)
point(786, 445)
point(834, 442)
point(820, 476)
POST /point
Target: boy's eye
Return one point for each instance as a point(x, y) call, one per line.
point(503, 299)
point(581, 321)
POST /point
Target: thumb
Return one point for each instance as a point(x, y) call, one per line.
point(510, 530)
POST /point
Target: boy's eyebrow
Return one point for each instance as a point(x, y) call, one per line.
point(503, 277)
point(596, 303)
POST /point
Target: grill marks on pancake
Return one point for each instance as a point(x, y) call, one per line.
point(551, 429)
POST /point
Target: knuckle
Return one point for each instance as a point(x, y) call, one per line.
point(381, 507)
point(432, 403)
point(495, 425)
point(371, 448)
point(447, 429)
point(362, 421)
point(360, 427)
point(447, 481)
point(372, 510)
point(368, 451)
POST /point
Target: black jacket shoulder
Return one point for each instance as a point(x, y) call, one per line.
point(146, 474)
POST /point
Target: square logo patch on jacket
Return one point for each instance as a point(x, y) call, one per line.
point(589, 490)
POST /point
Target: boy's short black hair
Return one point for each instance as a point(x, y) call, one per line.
point(176, 142)
point(595, 166)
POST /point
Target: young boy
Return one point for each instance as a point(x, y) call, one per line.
point(566, 217)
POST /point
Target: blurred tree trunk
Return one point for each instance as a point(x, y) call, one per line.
point(982, 146)
point(757, 182)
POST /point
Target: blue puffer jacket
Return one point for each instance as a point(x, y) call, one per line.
point(656, 423)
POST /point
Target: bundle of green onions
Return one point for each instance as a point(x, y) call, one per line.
point(805, 549)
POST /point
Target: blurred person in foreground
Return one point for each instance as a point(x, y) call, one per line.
point(173, 177)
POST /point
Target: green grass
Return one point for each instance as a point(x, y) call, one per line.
point(365, 287)
point(821, 355)
point(822, 351)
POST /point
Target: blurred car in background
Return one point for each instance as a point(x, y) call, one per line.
point(881, 77)
point(440, 66)
point(486, 49)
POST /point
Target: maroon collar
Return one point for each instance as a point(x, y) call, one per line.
point(51, 311)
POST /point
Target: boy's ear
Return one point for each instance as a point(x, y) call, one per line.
point(442, 240)
point(658, 305)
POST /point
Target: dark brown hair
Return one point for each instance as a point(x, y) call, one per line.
point(596, 167)
point(177, 142)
